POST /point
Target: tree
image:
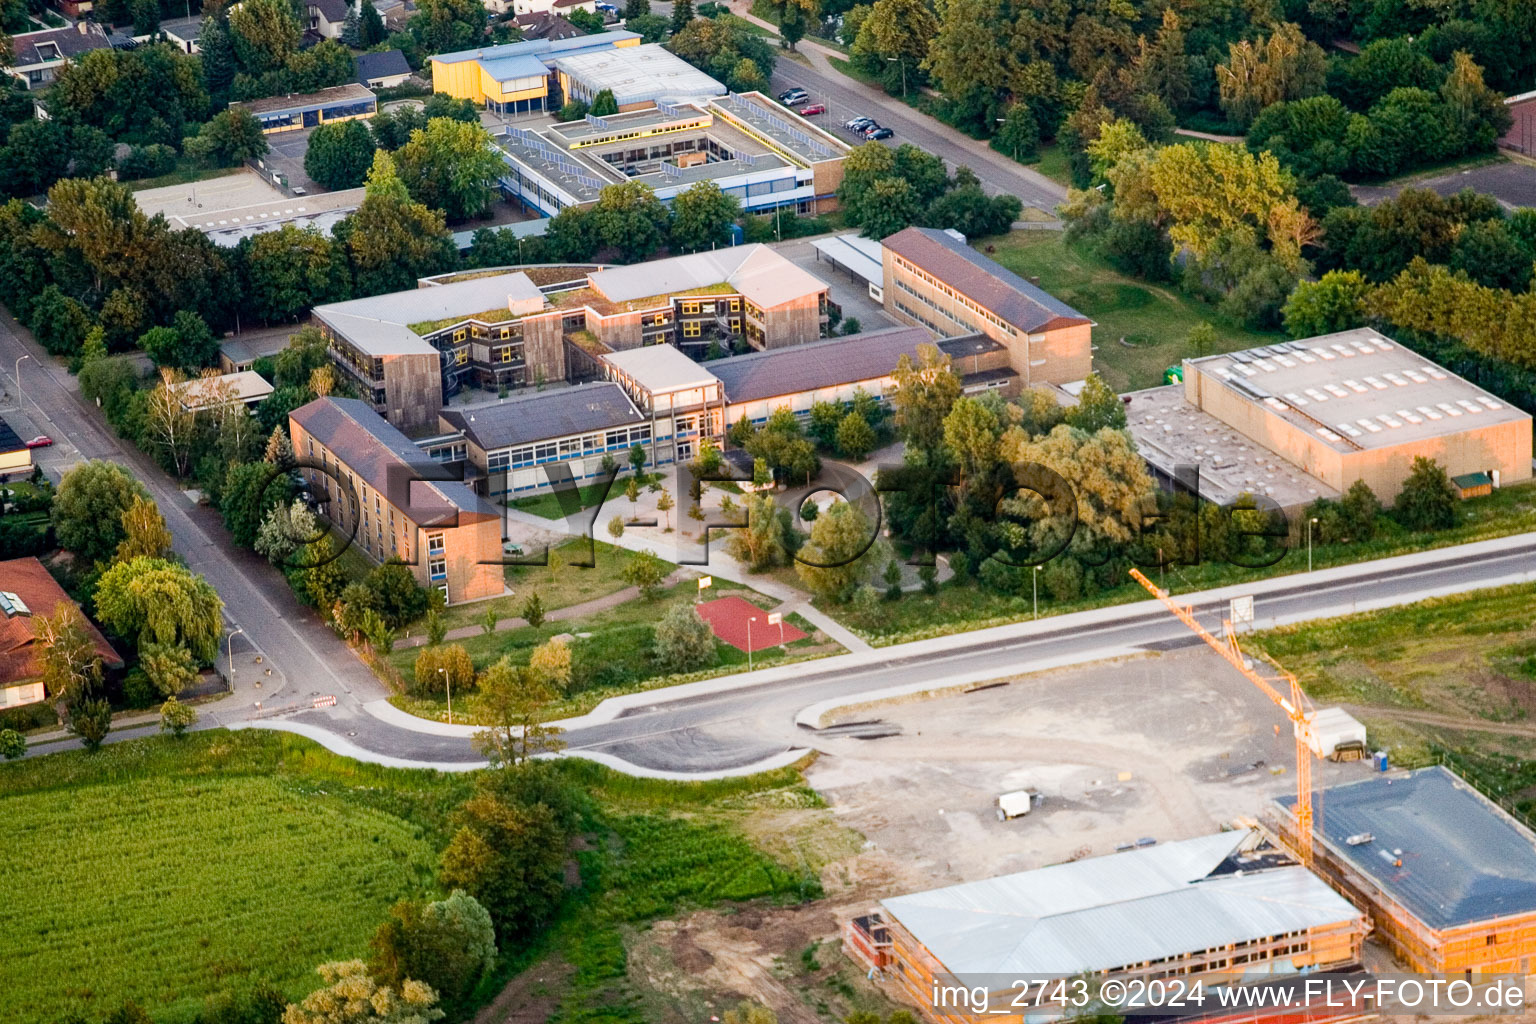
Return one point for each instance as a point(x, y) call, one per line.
point(350, 995)
point(702, 217)
point(89, 507)
point(144, 531)
point(1019, 136)
point(508, 856)
point(925, 390)
point(533, 610)
point(265, 34)
point(67, 659)
point(279, 450)
point(684, 641)
point(616, 528)
point(1201, 340)
point(396, 594)
point(390, 240)
point(1428, 499)
point(971, 432)
point(665, 505)
point(188, 346)
point(604, 105)
point(761, 543)
point(232, 137)
point(899, 32)
point(59, 322)
point(1334, 302)
point(91, 720)
point(1097, 407)
point(837, 557)
point(449, 944)
point(630, 219)
point(890, 205)
point(251, 491)
point(176, 718)
point(645, 571)
point(371, 25)
point(450, 166)
point(855, 437)
point(1477, 115)
point(440, 667)
point(285, 530)
point(1489, 254)
point(1286, 66)
point(170, 668)
point(636, 9)
point(682, 14)
point(150, 600)
point(339, 154)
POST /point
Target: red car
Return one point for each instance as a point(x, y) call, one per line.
point(40, 441)
point(812, 110)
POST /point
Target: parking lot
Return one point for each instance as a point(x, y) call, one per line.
point(1158, 747)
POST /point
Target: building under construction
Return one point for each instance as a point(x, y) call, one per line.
point(1220, 905)
point(1447, 876)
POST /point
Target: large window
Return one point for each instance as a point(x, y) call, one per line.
point(435, 544)
point(437, 569)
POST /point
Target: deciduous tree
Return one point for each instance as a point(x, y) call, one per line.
point(89, 507)
point(1334, 302)
point(150, 600)
point(450, 166)
point(840, 554)
point(67, 659)
point(449, 944)
point(144, 531)
point(339, 154)
point(702, 217)
point(350, 995)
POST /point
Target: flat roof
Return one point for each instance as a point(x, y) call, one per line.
point(1463, 858)
point(1170, 433)
point(9, 441)
point(538, 47)
point(540, 417)
point(854, 254)
point(1357, 390)
point(350, 92)
point(1110, 912)
point(245, 385)
point(378, 325)
point(639, 74)
point(946, 256)
point(817, 364)
point(660, 369)
point(755, 271)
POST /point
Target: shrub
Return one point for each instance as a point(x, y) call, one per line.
point(440, 666)
point(684, 641)
point(1427, 500)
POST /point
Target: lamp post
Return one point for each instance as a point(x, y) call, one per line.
point(903, 63)
point(16, 372)
point(1004, 120)
point(749, 642)
point(1309, 542)
point(448, 686)
point(1034, 587)
point(229, 653)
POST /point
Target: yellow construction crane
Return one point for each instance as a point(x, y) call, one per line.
point(1295, 705)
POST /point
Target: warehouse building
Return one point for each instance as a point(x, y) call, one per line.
point(934, 279)
point(410, 351)
point(383, 492)
point(1447, 876)
point(1358, 406)
point(1225, 904)
point(752, 148)
point(307, 110)
point(517, 78)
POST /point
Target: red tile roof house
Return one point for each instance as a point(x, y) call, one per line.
point(28, 592)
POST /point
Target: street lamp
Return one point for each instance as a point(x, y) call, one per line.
point(1004, 120)
point(903, 63)
point(1309, 542)
point(229, 652)
point(1034, 587)
point(749, 642)
point(17, 374)
point(448, 685)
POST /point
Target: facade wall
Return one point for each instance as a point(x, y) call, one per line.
point(826, 178)
point(1475, 448)
point(413, 390)
point(11, 462)
point(800, 402)
point(464, 557)
point(1521, 136)
point(17, 694)
point(791, 323)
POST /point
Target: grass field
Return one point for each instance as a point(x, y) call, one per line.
point(1154, 321)
point(166, 871)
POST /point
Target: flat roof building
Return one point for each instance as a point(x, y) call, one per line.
point(244, 386)
point(1448, 876)
point(14, 453)
point(306, 110)
point(392, 500)
point(1223, 904)
point(933, 278)
point(1358, 406)
point(638, 76)
point(761, 153)
point(517, 78)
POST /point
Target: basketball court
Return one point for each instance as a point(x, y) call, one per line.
point(729, 618)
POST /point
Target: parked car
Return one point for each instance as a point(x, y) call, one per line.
point(812, 110)
point(858, 124)
point(874, 132)
point(40, 441)
point(794, 97)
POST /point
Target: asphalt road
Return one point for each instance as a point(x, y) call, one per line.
point(846, 99)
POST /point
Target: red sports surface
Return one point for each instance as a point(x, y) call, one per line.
point(728, 617)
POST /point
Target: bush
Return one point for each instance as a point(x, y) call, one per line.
point(439, 666)
point(12, 744)
point(449, 944)
point(1428, 499)
point(684, 641)
point(149, 161)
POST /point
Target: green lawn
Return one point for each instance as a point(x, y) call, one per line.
point(1053, 164)
point(956, 609)
point(168, 871)
point(1154, 320)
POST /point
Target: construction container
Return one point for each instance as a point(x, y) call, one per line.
point(1332, 728)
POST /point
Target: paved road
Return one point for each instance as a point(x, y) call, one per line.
point(726, 730)
point(1512, 183)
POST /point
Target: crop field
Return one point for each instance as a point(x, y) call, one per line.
point(169, 885)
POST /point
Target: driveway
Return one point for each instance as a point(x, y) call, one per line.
point(1512, 183)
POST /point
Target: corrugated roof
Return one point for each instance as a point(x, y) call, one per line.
point(539, 417)
point(538, 47)
point(992, 285)
point(854, 253)
point(519, 65)
point(819, 364)
point(756, 271)
point(1109, 912)
point(660, 369)
point(1464, 859)
point(388, 461)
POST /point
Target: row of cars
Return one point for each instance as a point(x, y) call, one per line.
point(865, 127)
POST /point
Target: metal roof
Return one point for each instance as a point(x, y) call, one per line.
point(854, 254)
point(1464, 859)
point(660, 369)
point(639, 74)
point(756, 271)
point(818, 364)
point(540, 417)
point(549, 48)
point(1110, 912)
point(388, 461)
point(990, 284)
point(519, 65)
point(378, 324)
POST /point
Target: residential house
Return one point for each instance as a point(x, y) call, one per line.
point(37, 56)
point(28, 592)
point(382, 70)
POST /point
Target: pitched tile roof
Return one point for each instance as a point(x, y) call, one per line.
point(560, 413)
point(388, 461)
point(40, 47)
point(547, 25)
point(990, 284)
point(381, 65)
point(819, 364)
point(29, 580)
